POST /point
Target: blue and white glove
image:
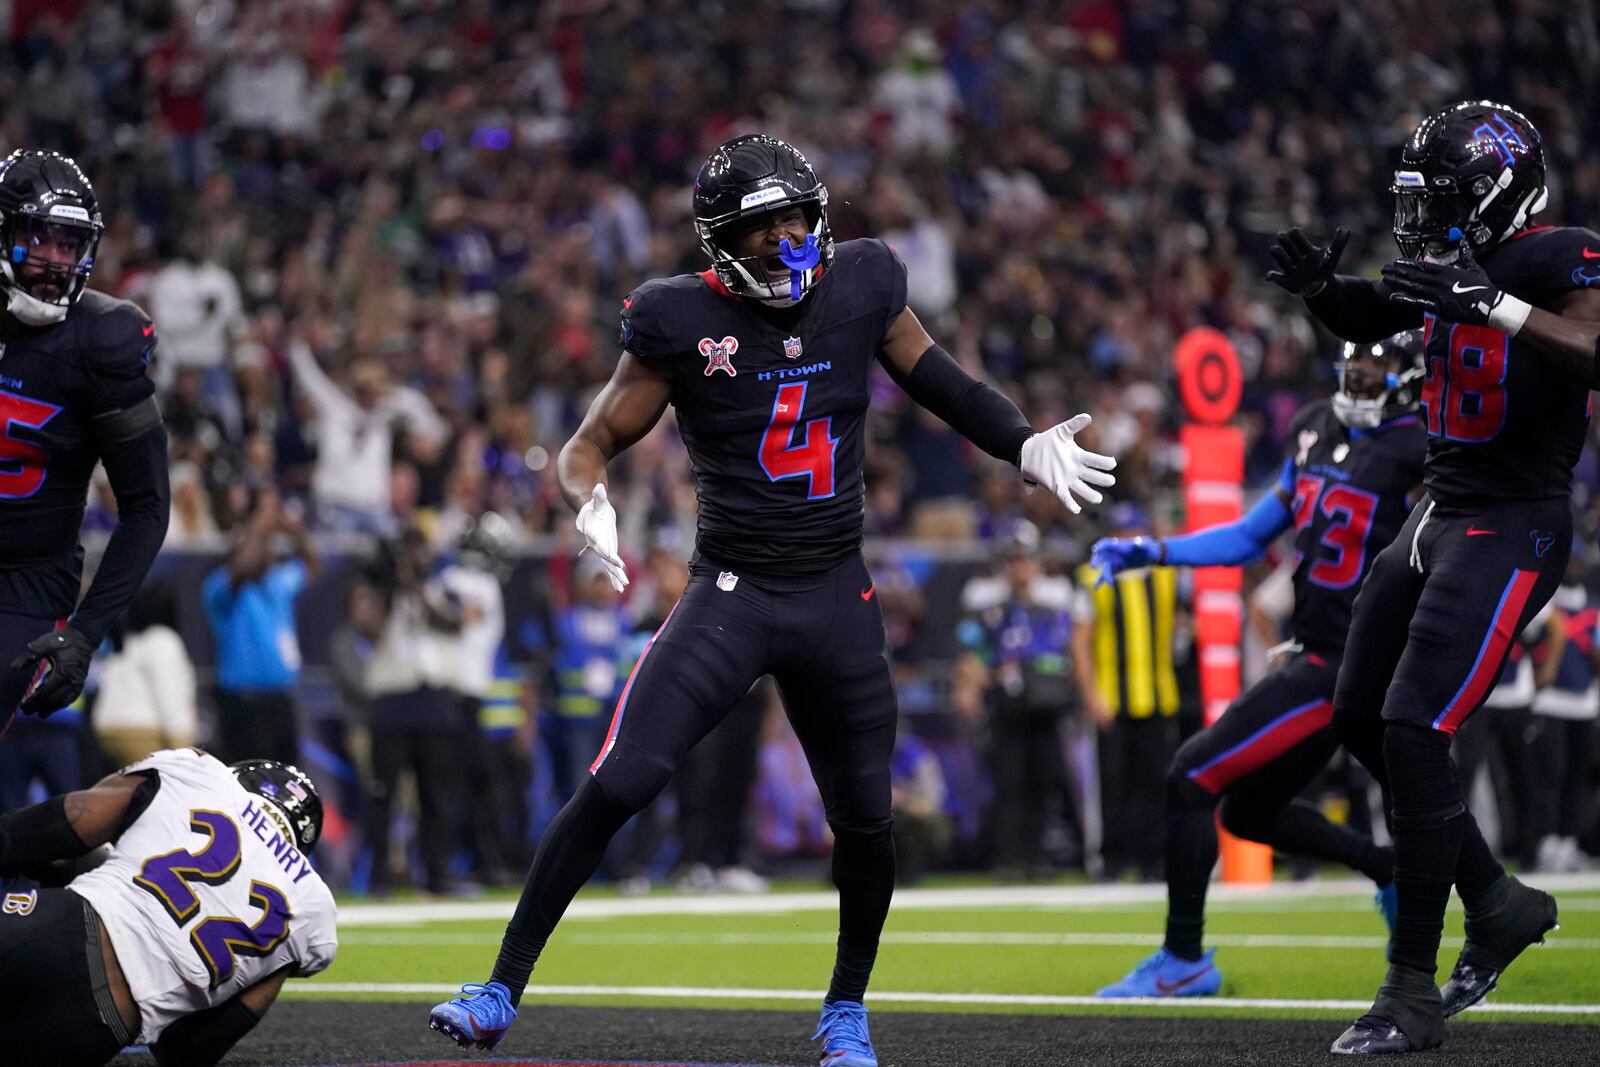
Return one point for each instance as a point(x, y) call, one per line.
point(597, 521)
point(1113, 555)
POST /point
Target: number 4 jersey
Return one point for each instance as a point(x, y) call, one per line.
point(1349, 490)
point(771, 403)
point(204, 894)
point(1506, 422)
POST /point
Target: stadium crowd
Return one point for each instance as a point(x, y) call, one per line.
point(385, 244)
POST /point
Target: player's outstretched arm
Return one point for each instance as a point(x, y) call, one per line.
point(1225, 545)
point(625, 410)
point(1464, 293)
point(66, 827)
point(204, 1038)
point(1356, 309)
point(987, 417)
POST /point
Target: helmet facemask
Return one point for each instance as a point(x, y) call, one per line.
point(751, 275)
point(1378, 381)
point(45, 262)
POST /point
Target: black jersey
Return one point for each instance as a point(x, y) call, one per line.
point(1506, 422)
point(1348, 489)
point(53, 381)
point(773, 417)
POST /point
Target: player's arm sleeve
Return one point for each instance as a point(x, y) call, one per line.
point(204, 1037)
point(1233, 543)
point(133, 447)
point(642, 331)
point(1359, 309)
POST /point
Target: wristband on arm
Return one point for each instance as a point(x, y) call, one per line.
point(974, 409)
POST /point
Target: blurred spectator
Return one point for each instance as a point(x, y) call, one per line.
point(147, 699)
point(250, 604)
point(355, 435)
point(197, 303)
point(791, 827)
point(590, 649)
point(1023, 641)
point(1122, 652)
point(1564, 713)
point(416, 717)
point(921, 826)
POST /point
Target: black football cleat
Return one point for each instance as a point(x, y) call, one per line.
point(1519, 916)
point(1405, 1017)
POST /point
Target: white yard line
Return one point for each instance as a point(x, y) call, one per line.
point(984, 999)
point(1279, 894)
point(409, 939)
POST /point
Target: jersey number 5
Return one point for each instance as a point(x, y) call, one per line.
point(217, 939)
point(812, 458)
point(1465, 392)
point(22, 463)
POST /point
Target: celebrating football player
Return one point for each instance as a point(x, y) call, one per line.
point(201, 904)
point(766, 358)
point(1344, 486)
point(1506, 413)
point(73, 392)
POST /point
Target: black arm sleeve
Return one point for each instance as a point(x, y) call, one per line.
point(34, 836)
point(202, 1039)
point(1358, 309)
point(138, 473)
point(975, 410)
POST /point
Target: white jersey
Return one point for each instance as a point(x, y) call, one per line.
point(203, 896)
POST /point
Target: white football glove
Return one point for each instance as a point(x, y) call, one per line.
point(597, 521)
point(1054, 460)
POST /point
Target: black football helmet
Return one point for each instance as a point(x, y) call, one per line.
point(755, 175)
point(1392, 389)
point(1472, 172)
point(290, 791)
point(50, 228)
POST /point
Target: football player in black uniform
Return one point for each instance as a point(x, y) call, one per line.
point(766, 358)
point(1507, 414)
point(1344, 488)
point(73, 392)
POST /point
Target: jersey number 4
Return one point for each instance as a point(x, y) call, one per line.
point(22, 463)
point(1349, 513)
point(168, 877)
point(1465, 392)
point(812, 458)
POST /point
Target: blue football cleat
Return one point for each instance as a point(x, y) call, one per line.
point(1388, 902)
point(479, 1016)
point(1161, 974)
point(843, 1029)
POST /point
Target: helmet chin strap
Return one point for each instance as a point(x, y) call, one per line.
point(29, 310)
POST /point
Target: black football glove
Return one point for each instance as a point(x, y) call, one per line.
point(1460, 292)
point(1304, 268)
point(60, 659)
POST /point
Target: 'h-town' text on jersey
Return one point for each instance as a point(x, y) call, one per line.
point(773, 417)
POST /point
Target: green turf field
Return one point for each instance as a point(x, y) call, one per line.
point(1285, 954)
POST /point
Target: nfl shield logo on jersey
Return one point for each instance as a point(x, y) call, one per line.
point(791, 347)
point(726, 581)
point(719, 354)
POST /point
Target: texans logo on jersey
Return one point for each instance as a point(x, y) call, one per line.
point(719, 355)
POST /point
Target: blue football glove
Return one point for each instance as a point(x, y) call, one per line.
point(1112, 555)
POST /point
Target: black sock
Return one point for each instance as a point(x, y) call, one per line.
point(1476, 868)
point(1429, 823)
point(1302, 829)
point(568, 855)
point(1191, 855)
point(863, 870)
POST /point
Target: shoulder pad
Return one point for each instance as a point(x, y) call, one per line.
point(119, 337)
point(1544, 262)
point(647, 316)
